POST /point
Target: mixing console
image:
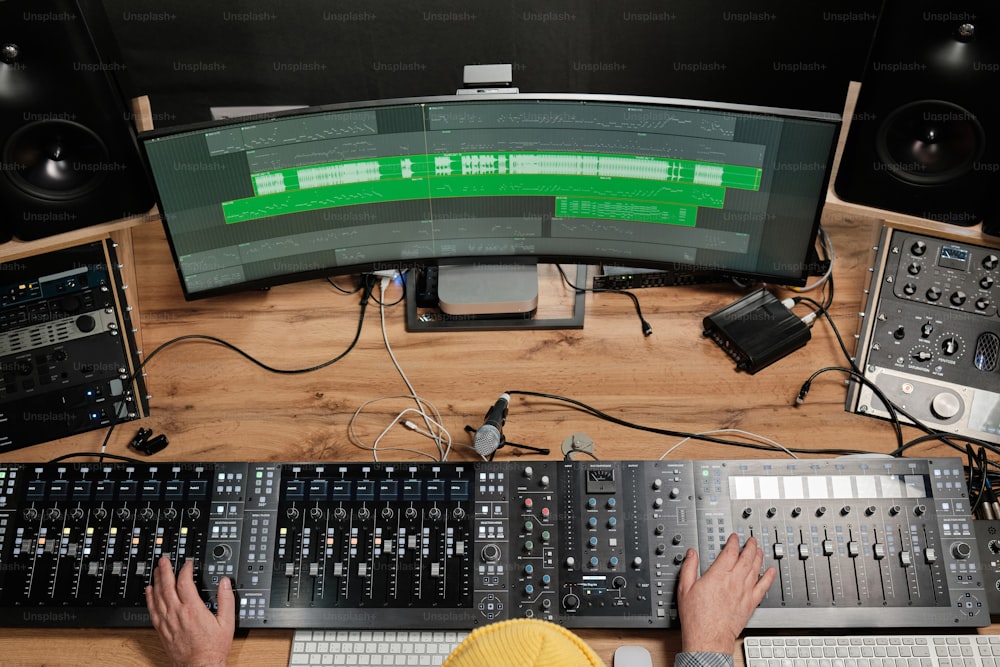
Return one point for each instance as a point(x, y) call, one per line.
point(875, 542)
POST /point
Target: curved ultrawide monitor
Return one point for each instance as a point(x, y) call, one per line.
point(497, 178)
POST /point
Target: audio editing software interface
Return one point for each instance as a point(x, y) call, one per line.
point(395, 185)
point(452, 545)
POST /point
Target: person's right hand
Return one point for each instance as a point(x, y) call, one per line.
point(191, 634)
point(715, 607)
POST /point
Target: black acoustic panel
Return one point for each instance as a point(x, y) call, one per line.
point(67, 147)
point(921, 140)
point(190, 55)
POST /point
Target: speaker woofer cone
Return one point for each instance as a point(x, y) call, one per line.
point(56, 160)
point(930, 142)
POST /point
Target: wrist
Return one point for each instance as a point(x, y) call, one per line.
point(698, 643)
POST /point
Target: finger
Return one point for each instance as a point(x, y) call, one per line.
point(164, 584)
point(763, 584)
point(151, 605)
point(729, 556)
point(689, 572)
point(751, 558)
point(187, 592)
point(226, 613)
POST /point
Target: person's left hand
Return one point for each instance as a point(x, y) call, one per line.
point(191, 634)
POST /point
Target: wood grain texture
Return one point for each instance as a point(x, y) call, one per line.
point(215, 405)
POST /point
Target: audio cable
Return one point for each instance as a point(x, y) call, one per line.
point(368, 284)
point(647, 329)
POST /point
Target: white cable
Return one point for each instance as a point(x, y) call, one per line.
point(435, 430)
point(824, 240)
point(745, 434)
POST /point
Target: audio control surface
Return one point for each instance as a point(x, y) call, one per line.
point(931, 336)
point(460, 545)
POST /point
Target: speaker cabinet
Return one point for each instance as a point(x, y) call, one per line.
point(921, 140)
point(68, 152)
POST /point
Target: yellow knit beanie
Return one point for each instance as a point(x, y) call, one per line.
point(523, 643)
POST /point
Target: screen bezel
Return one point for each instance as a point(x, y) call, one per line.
point(835, 120)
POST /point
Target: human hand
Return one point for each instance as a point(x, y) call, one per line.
point(190, 633)
point(715, 607)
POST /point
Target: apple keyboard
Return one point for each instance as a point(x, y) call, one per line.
point(373, 647)
point(873, 651)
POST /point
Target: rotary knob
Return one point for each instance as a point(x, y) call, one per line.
point(53, 513)
point(86, 323)
point(990, 262)
point(123, 513)
point(193, 512)
point(170, 514)
point(386, 512)
point(458, 513)
point(434, 513)
point(292, 513)
point(933, 293)
point(491, 553)
point(986, 282)
point(410, 513)
point(315, 513)
point(31, 514)
point(918, 248)
point(339, 513)
point(961, 550)
point(913, 269)
point(100, 514)
point(76, 513)
point(147, 514)
point(364, 513)
point(958, 298)
point(570, 602)
point(945, 405)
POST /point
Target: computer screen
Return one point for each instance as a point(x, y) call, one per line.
point(492, 178)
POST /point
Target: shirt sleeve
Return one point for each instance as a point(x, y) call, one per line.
point(703, 659)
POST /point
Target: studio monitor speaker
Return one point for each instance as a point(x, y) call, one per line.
point(68, 152)
point(924, 139)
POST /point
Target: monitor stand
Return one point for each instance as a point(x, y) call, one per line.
point(488, 298)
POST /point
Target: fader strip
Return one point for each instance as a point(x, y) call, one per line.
point(459, 545)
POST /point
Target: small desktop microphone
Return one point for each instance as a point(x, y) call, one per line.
point(488, 436)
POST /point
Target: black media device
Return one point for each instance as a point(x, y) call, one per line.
point(487, 179)
point(68, 362)
point(756, 331)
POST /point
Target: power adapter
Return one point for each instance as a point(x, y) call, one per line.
point(756, 331)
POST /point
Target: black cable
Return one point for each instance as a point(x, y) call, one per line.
point(647, 330)
point(680, 434)
point(857, 375)
point(100, 457)
point(368, 284)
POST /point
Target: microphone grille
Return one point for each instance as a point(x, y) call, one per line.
point(487, 440)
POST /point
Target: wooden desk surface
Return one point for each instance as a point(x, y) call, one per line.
point(216, 406)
